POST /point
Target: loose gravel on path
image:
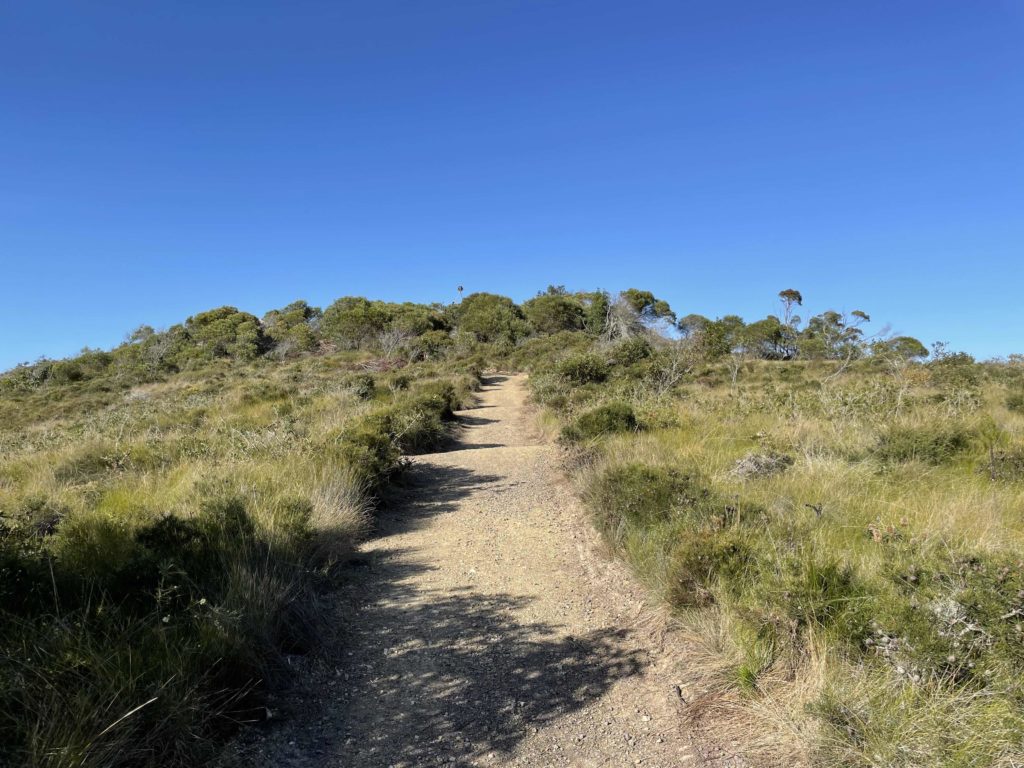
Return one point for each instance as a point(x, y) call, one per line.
point(480, 628)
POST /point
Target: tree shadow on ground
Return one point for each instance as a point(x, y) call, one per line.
point(454, 678)
point(425, 676)
point(474, 421)
point(426, 491)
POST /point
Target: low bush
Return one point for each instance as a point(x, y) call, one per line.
point(173, 621)
point(630, 351)
point(641, 495)
point(362, 385)
point(1015, 402)
point(931, 445)
point(603, 420)
point(701, 565)
point(585, 368)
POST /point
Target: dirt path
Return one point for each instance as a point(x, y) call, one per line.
point(482, 630)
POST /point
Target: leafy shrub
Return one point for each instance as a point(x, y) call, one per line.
point(806, 588)
point(701, 563)
point(603, 420)
point(490, 318)
point(369, 450)
point(1015, 402)
point(631, 351)
point(932, 444)
point(362, 385)
point(584, 368)
point(440, 396)
point(956, 618)
point(642, 495)
point(431, 345)
point(554, 313)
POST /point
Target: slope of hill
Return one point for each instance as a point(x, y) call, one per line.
point(833, 518)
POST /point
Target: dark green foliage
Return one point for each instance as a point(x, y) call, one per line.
point(952, 370)
point(551, 313)
point(831, 336)
point(931, 445)
point(805, 589)
point(604, 420)
point(640, 495)
point(583, 369)
point(538, 353)
point(956, 617)
point(293, 328)
point(353, 321)
point(1015, 402)
point(414, 319)
point(766, 339)
point(369, 450)
point(110, 614)
point(442, 397)
point(362, 385)
point(709, 560)
point(432, 345)
point(490, 318)
point(903, 347)
point(648, 306)
point(631, 351)
point(595, 311)
point(223, 332)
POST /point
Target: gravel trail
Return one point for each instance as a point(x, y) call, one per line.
point(481, 629)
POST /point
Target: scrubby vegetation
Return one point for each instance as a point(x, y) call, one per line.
point(835, 519)
point(171, 513)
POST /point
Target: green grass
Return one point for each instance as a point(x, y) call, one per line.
point(866, 605)
point(162, 546)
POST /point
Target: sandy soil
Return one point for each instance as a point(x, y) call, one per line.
point(480, 628)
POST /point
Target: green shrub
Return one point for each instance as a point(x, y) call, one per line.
point(369, 450)
point(603, 420)
point(631, 351)
point(931, 445)
point(956, 617)
point(702, 563)
point(641, 495)
point(443, 397)
point(584, 368)
point(362, 385)
point(806, 588)
point(1015, 402)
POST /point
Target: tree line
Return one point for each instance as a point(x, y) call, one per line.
point(413, 331)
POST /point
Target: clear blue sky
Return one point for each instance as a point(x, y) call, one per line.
point(157, 159)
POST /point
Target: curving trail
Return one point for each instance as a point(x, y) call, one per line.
point(481, 630)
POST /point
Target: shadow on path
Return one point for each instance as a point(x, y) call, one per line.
point(451, 677)
point(425, 672)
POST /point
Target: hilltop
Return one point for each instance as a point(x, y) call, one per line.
point(830, 518)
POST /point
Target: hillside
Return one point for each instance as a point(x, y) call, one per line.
point(831, 518)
